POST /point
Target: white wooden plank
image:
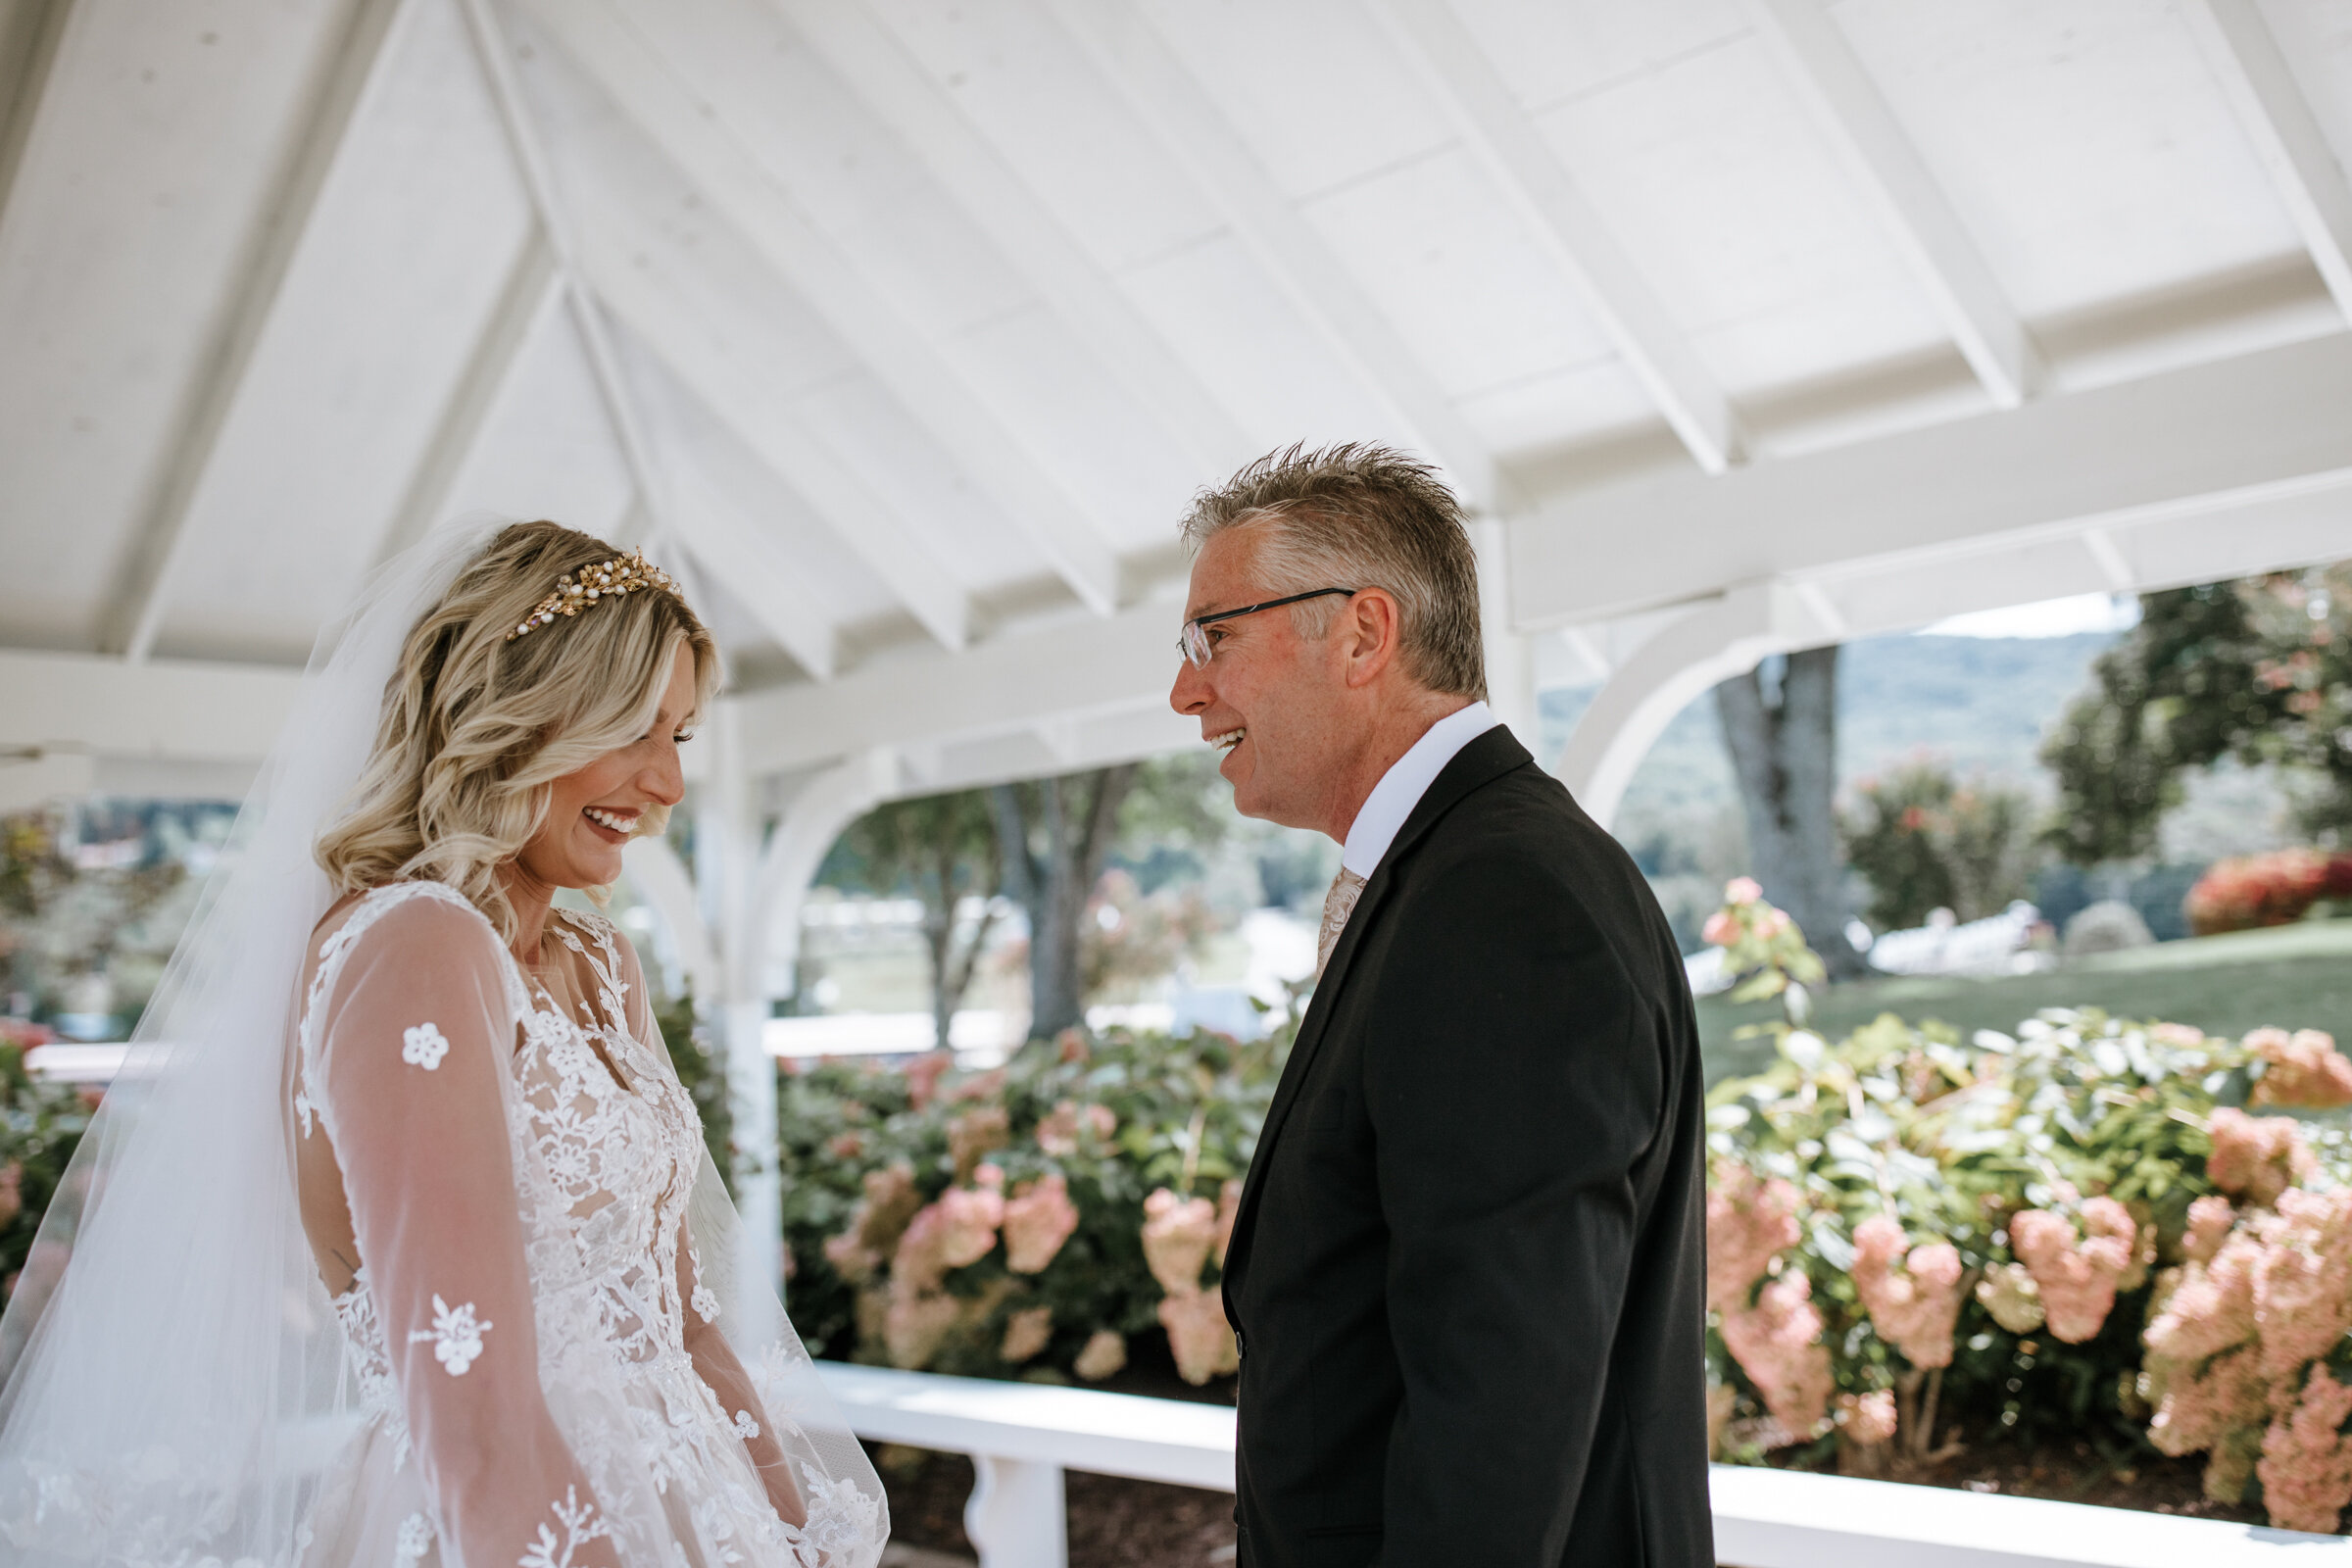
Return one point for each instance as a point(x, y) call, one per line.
point(1854, 116)
point(1500, 136)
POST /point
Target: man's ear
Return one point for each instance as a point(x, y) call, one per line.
point(1372, 628)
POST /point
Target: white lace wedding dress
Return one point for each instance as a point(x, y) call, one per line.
point(539, 1374)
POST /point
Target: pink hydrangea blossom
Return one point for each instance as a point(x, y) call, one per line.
point(1026, 1334)
point(2180, 1036)
point(875, 1226)
point(1722, 1400)
point(2302, 1070)
point(1198, 1334)
point(1229, 1208)
point(956, 1230)
point(1775, 1343)
point(1721, 929)
point(2210, 1307)
point(975, 1133)
point(1867, 1419)
point(1913, 1303)
point(923, 1074)
point(2199, 1405)
point(1105, 1352)
point(2209, 1220)
point(2306, 1469)
point(1038, 1219)
point(1750, 1219)
point(1741, 890)
point(2008, 1292)
point(1059, 1130)
point(2303, 1280)
point(2256, 1157)
point(918, 1321)
point(2077, 1275)
point(1177, 1233)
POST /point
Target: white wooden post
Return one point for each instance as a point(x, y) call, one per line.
point(1017, 1514)
point(727, 854)
point(1510, 654)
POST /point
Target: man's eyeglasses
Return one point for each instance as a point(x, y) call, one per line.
point(1194, 643)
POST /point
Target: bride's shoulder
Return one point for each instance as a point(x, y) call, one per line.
point(423, 913)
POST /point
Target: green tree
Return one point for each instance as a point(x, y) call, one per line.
point(944, 850)
point(1054, 835)
point(1924, 840)
point(2259, 670)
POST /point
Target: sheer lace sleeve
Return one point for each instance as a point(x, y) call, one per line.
point(411, 1030)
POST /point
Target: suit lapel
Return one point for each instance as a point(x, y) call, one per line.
point(1486, 759)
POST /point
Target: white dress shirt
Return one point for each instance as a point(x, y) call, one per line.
point(1402, 787)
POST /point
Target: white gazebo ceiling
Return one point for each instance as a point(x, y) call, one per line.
point(903, 328)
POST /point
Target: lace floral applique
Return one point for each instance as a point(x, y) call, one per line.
point(704, 1300)
point(581, 1525)
point(423, 1045)
point(456, 1337)
point(303, 1108)
point(414, 1541)
point(745, 1427)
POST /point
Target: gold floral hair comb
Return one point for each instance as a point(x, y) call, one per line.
point(623, 574)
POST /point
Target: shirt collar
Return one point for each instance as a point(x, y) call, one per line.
point(1407, 779)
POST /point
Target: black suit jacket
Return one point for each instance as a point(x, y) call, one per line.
point(1469, 1268)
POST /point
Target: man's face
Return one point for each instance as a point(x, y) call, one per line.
point(1276, 703)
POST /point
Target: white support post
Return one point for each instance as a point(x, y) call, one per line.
point(727, 855)
point(1684, 659)
point(1016, 1515)
point(1510, 654)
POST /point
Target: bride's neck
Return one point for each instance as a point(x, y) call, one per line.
point(530, 900)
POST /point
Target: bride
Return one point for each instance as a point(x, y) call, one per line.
point(398, 1245)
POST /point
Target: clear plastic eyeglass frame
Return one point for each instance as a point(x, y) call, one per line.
point(1192, 643)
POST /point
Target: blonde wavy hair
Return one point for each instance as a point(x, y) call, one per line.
point(476, 728)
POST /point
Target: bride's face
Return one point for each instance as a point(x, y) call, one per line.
point(592, 815)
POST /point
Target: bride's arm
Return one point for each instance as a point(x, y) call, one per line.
point(417, 1031)
point(720, 1368)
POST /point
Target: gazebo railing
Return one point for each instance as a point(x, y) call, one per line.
point(1021, 1437)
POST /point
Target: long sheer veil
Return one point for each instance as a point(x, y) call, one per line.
point(171, 1371)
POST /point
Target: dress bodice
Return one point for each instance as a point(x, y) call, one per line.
point(614, 1128)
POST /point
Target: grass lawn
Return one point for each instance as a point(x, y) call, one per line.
point(2296, 976)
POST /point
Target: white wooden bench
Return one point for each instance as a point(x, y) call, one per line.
point(1021, 1437)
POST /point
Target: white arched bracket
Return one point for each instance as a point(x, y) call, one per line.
point(655, 874)
point(771, 903)
point(1723, 637)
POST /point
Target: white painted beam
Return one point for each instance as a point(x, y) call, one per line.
point(732, 547)
point(162, 538)
point(495, 52)
point(1500, 136)
point(29, 31)
point(2304, 169)
point(1006, 685)
point(1122, 44)
point(734, 393)
point(857, 45)
point(691, 132)
point(534, 285)
point(2186, 450)
point(1853, 114)
point(164, 709)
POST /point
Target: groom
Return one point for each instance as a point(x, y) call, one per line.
point(1468, 1269)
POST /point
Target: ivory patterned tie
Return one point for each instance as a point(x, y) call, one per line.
point(1338, 905)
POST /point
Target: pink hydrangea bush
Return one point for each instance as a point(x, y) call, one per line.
point(2306, 1467)
point(1038, 1219)
point(1750, 1220)
point(1914, 1300)
point(2076, 1272)
point(2256, 1157)
point(1777, 1343)
point(1178, 1236)
point(1203, 1342)
point(2303, 1070)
